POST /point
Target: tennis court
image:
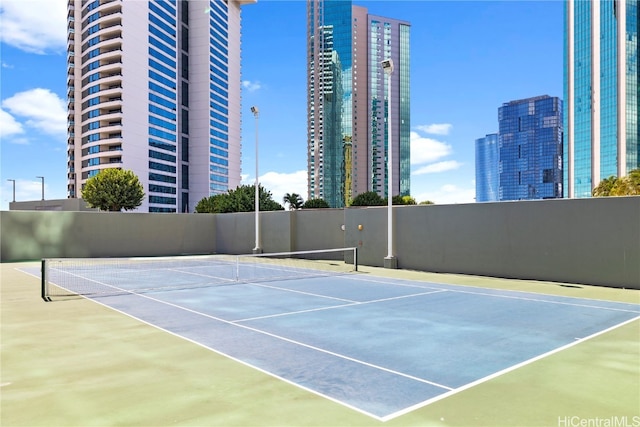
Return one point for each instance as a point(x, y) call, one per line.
point(380, 346)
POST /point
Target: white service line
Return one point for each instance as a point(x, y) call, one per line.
point(350, 304)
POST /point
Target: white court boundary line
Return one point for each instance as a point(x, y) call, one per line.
point(505, 371)
point(503, 293)
point(216, 351)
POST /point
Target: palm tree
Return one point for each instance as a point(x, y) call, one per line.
point(604, 187)
point(294, 200)
point(628, 185)
point(625, 186)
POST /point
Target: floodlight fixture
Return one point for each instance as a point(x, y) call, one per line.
point(387, 66)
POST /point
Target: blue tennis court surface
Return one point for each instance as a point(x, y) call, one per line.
point(377, 345)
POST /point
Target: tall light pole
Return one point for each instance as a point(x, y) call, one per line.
point(14, 189)
point(257, 249)
point(42, 178)
point(390, 261)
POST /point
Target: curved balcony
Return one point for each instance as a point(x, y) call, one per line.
point(107, 116)
point(107, 130)
point(106, 66)
point(108, 7)
point(106, 93)
point(113, 138)
point(109, 15)
point(114, 28)
point(107, 44)
point(102, 166)
point(109, 55)
point(113, 102)
point(111, 127)
point(110, 78)
point(110, 67)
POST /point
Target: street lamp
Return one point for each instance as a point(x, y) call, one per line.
point(14, 189)
point(257, 249)
point(42, 178)
point(390, 261)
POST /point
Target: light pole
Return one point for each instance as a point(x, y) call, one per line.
point(390, 261)
point(14, 189)
point(257, 249)
point(42, 178)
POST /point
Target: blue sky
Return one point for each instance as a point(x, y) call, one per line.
point(467, 59)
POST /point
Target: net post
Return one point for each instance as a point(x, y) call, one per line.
point(355, 258)
point(43, 280)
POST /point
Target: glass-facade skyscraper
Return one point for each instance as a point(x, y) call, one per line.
point(347, 136)
point(600, 92)
point(154, 87)
point(530, 149)
point(487, 161)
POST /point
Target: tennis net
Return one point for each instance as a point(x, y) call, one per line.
point(111, 276)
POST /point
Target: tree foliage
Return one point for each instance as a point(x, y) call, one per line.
point(315, 204)
point(113, 190)
point(604, 188)
point(427, 202)
point(294, 200)
point(368, 198)
point(403, 200)
point(371, 198)
point(242, 199)
point(613, 186)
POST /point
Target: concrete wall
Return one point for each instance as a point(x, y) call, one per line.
point(33, 235)
point(591, 241)
point(236, 232)
point(280, 231)
point(52, 205)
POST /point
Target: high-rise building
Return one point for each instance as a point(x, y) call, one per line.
point(600, 92)
point(487, 161)
point(347, 137)
point(530, 149)
point(154, 87)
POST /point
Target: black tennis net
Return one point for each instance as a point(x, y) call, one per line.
point(110, 276)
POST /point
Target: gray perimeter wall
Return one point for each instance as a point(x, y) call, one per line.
point(28, 235)
point(589, 241)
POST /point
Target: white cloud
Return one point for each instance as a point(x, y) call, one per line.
point(427, 150)
point(36, 26)
point(41, 109)
point(448, 194)
point(280, 184)
point(438, 167)
point(9, 125)
point(251, 86)
point(5, 65)
point(436, 128)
